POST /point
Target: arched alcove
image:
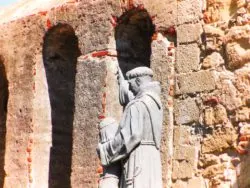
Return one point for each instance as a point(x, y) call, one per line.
point(60, 52)
point(133, 35)
point(3, 112)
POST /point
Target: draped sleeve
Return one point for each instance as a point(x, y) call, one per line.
point(128, 138)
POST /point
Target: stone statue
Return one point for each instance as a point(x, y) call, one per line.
point(137, 142)
point(111, 174)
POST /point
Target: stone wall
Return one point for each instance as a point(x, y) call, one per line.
point(51, 102)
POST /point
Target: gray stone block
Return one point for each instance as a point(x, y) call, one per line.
point(187, 58)
point(194, 82)
point(188, 11)
point(189, 33)
point(186, 111)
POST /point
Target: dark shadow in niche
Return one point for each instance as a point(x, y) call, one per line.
point(60, 52)
point(133, 35)
point(4, 95)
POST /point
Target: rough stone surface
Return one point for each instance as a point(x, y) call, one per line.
point(88, 103)
point(166, 11)
point(189, 33)
point(187, 58)
point(161, 64)
point(182, 136)
point(196, 182)
point(188, 11)
point(214, 37)
point(215, 115)
point(242, 114)
point(242, 83)
point(195, 82)
point(183, 169)
point(214, 170)
point(189, 153)
point(208, 160)
point(186, 111)
point(179, 184)
point(220, 139)
point(227, 93)
point(212, 61)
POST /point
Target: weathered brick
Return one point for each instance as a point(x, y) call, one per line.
point(194, 82)
point(186, 111)
point(189, 33)
point(188, 11)
point(187, 58)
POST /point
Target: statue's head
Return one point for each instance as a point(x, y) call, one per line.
point(138, 77)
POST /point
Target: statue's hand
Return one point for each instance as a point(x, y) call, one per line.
point(120, 76)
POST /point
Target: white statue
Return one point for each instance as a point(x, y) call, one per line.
point(137, 142)
point(111, 174)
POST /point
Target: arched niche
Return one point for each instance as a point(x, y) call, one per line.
point(60, 52)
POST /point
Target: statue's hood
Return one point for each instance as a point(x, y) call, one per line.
point(153, 89)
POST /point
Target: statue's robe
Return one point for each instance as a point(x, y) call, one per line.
point(137, 141)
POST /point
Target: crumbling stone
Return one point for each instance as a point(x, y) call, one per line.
point(237, 54)
point(194, 82)
point(214, 37)
point(209, 116)
point(214, 170)
point(187, 58)
point(219, 140)
point(208, 160)
point(183, 169)
point(186, 111)
point(242, 114)
point(229, 96)
point(215, 115)
point(242, 83)
point(213, 60)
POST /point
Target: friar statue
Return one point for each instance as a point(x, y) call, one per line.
point(136, 145)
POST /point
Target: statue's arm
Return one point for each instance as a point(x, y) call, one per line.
point(125, 95)
point(125, 141)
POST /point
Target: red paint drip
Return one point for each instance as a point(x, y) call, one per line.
point(34, 86)
point(113, 21)
point(48, 24)
point(101, 117)
point(100, 53)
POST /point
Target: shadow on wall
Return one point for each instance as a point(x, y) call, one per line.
point(133, 35)
point(60, 52)
point(4, 94)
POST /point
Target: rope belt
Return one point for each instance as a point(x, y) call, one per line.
point(148, 142)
